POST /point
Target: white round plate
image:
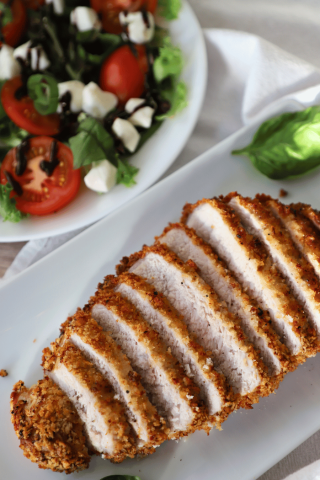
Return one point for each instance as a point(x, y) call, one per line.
point(153, 159)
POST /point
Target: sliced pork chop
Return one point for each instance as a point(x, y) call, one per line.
point(106, 426)
point(217, 224)
point(174, 395)
point(98, 347)
point(308, 212)
point(301, 229)
point(197, 363)
point(48, 426)
point(215, 328)
point(255, 323)
point(295, 268)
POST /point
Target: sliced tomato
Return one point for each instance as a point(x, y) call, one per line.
point(23, 113)
point(124, 74)
point(42, 194)
point(13, 31)
point(110, 9)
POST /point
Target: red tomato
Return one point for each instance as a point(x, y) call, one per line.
point(13, 31)
point(43, 194)
point(23, 113)
point(123, 74)
point(110, 9)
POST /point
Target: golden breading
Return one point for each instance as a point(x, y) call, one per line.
point(267, 385)
point(164, 307)
point(50, 431)
point(151, 341)
point(65, 354)
point(91, 334)
point(308, 212)
point(270, 275)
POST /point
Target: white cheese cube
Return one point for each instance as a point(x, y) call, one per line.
point(96, 102)
point(127, 133)
point(133, 103)
point(58, 6)
point(9, 66)
point(85, 19)
point(102, 177)
point(138, 30)
point(142, 117)
point(76, 89)
point(38, 57)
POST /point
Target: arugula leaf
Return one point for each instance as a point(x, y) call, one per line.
point(5, 14)
point(169, 63)
point(169, 9)
point(177, 96)
point(43, 89)
point(120, 477)
point(92, 144)
point(8, 209)
point(286, 145)
point(125, 175)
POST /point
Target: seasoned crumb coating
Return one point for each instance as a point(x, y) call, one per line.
point(50, 431)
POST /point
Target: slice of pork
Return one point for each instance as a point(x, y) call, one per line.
point(215, 328)
point(255, 323)
point(294, 267)
point(308, 212)
point(106, 426)
point(174, 395)
point(197, 363)
point(217, 224)
point(98, 347)
point(301, 229)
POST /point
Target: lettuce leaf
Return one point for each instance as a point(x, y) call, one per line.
point(126, 173)
point(8, 209)
point(169, 63)
point(177, 96)
point(169, 9)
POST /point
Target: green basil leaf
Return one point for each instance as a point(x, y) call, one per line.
point(286, 145)
point(169, 63)
point(169, 9)
point(125, 175)
point(177, 96)
point(6, 14)
point(8, 210)
point(43, 89)
point(120, 477)
point(92, 144)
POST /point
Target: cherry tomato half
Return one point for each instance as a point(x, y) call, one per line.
point(13, 31)
point(124, 74)
point(23, 113)
point(110, 9)
point(42, 194)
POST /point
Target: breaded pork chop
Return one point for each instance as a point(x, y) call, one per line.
point(48, 427)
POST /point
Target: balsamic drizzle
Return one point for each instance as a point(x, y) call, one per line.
point(49, 166)
point(14, 183)
point(21, 159)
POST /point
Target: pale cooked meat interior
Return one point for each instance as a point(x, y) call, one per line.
point(189, 298)
point(215, 274)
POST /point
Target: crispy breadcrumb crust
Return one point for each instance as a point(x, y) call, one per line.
point(3, 373)
point(302, 229)
point(48, 426)
point(150, 339)
point(113, 412)
point(83, 325)
point(268, 384)
point(260, 320)
point(271, 276)
point(164, 307)
point(307, 211)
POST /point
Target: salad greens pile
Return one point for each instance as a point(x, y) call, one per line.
point(78, 55)
point(286, 145)
point(8, 209)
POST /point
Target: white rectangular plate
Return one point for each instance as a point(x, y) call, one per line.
point(36, 302)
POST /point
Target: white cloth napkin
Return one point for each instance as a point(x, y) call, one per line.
point(248, 76)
